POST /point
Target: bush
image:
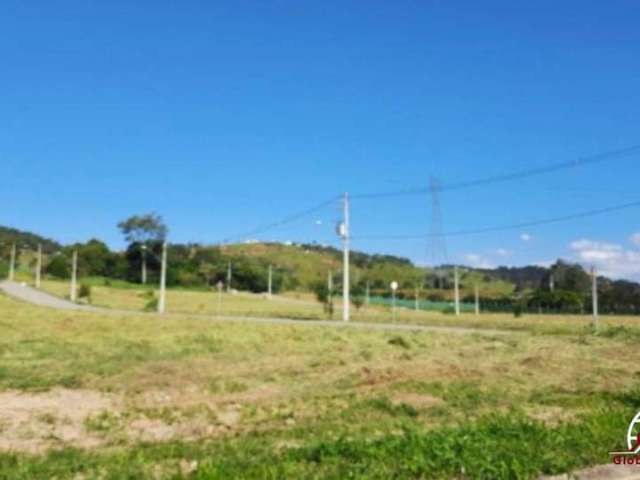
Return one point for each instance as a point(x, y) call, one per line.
point(399, 341)
point(152, 304)
point(85, 292)
point(517, 310)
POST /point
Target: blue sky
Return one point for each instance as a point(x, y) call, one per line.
point(223, 116)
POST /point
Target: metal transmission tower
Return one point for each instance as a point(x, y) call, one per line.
point(436, 244)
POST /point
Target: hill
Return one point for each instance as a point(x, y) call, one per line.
point(305, 267)
point(22, 239)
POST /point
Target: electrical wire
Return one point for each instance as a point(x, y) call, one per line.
point(288, 219)
point(597, 158)
point(515, 226)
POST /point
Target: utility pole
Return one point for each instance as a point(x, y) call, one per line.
point(594, 295)
point(416, 302)
point(228, 277)
point(74, 276)
point(12, 263)
point(219, 285)
point(551, 283)
point(456, 286)
point(163, 279)
point(270, 281)
point(345, 261)
point(394, 287)
point(144, 264)
point(39, 266)
point(330, 291)
point(477, 298)
point(367, 298)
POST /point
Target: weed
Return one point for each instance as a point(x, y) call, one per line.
point(399, 341)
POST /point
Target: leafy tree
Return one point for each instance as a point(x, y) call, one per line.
point(570, 276)
point(59, 267)
point(143, 228)
point(94, 258)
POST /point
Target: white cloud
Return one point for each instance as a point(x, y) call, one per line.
point(318, 222)
point(525, 237)
point(478, 261)
point(544, 263)
point(635, 239)
point(503, 252)
point(610, 259)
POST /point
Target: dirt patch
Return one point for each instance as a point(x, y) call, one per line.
point(194, 396)
point(417, 400)
point(35, 422)
point(549, 415)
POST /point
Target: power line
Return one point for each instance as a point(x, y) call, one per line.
point(601, 157)
point(597, 158)
point(288, 219)
point(546, 221)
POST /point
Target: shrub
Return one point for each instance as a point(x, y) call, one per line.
point(85, 292)
point(399, 342)
point(152, 304)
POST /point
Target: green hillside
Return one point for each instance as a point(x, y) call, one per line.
point(305, 268)
point(23, 239)
point(310, 264)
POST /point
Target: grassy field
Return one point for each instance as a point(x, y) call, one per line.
point(85, 395)
point(122, 295)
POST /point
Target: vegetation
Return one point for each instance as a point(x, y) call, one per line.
point(176, 397)
point(562, 288)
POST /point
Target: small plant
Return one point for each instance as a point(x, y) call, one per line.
point(399, 341)
point(357, 301)
point(383, 404)
point(85, 291)
point(517, 310)
point(152, 304)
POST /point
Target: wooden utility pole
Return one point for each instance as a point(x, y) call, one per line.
point(229, 277)
point(270, 281)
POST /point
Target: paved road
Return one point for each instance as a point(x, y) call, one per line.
point(28, 294)
point(37, 297)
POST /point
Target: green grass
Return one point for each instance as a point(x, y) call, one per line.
point(303, 306)
point(247, 400)
point(494, 447)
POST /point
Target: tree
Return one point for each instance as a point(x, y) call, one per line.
point(144, 228)
point(141, 230)
point(94, 258)
point(569, 276)
point(59, 266)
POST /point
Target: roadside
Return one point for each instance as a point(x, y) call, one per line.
point(30, 295)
